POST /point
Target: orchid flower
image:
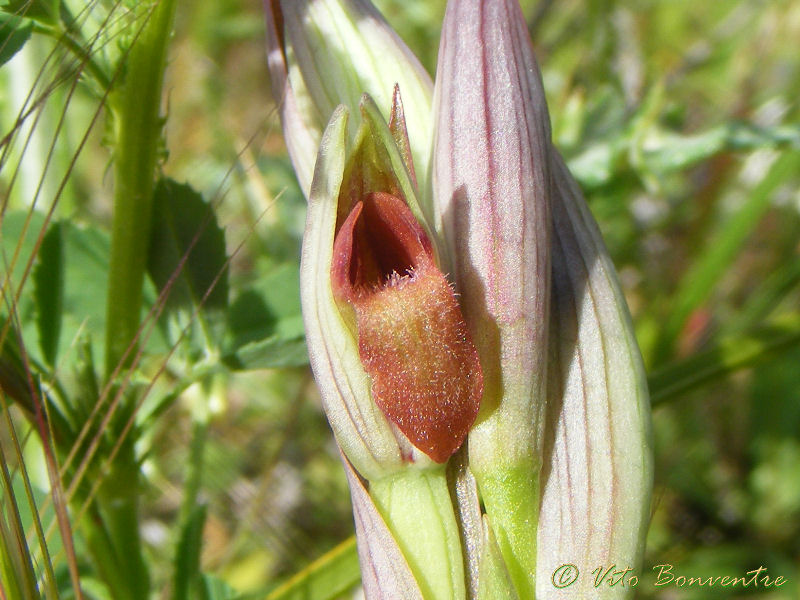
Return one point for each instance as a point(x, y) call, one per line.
point(457, 294)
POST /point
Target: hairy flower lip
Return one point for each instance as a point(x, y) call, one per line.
point(412, 338)
point(379, 245)
point(407, 490)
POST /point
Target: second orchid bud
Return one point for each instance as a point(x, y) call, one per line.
point(323, 53)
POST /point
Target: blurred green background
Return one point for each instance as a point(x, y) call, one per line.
point(681, 121)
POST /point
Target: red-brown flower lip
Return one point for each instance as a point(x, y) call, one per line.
point(412, 339)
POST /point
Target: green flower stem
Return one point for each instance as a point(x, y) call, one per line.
point(110, 527)
point(511, 497)
point(417, 508)
point(137, 135)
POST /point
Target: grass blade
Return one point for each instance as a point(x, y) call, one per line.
point(725, 357)
point(326, 578)
point(720, 251)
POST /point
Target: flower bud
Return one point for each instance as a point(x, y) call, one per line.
point(360, 427)
point(323, 53)
point(491, 195)
point(598, 471)
point(491, 191)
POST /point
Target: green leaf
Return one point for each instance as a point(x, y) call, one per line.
point(187, 563)
point(265, 324)
point(85, 256)
point(666, 152)
point(48, 281)
point(15, 31)
point(46, 11)
point(84, 396)
point(19, 231)
point(596, 166)
point(671, 152)
point(187, 249)
point(271, 353)
point(663, 151)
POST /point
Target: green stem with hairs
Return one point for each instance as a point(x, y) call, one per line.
point(137, 132)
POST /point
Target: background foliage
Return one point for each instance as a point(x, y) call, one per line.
point(682, 123)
